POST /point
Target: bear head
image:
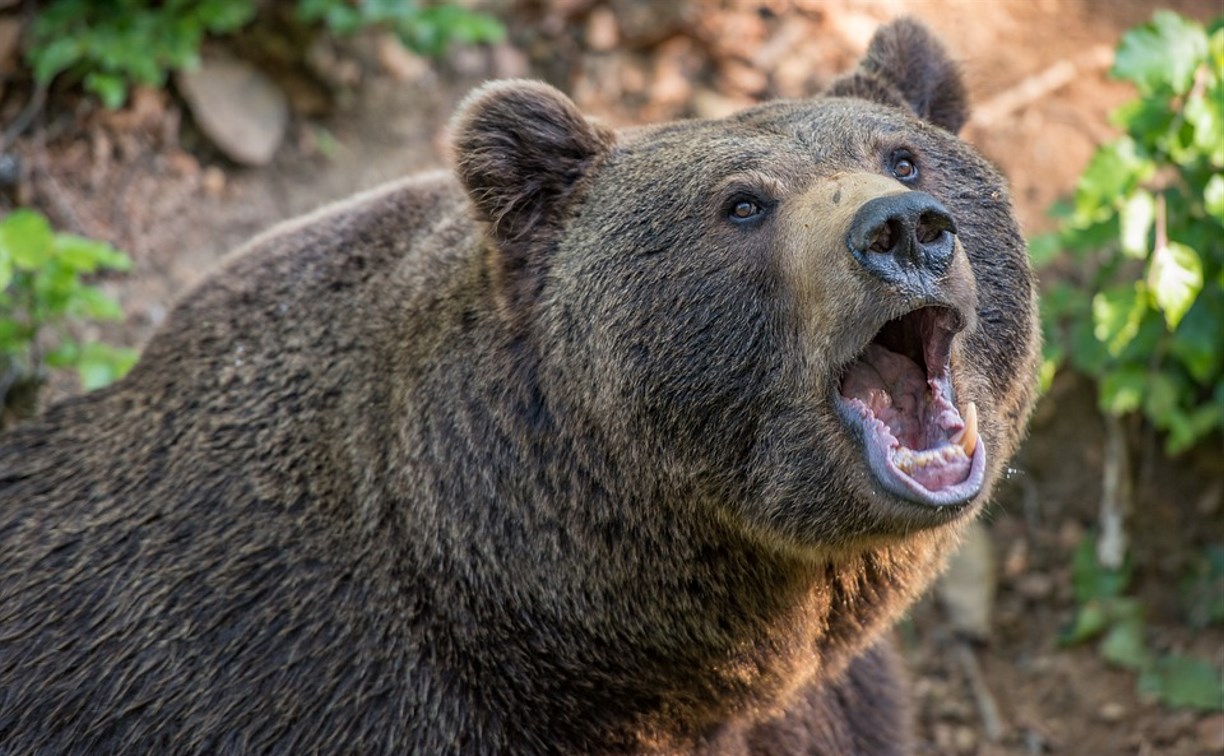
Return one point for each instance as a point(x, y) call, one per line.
point(815, 317)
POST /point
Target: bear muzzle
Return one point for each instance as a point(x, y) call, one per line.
point(907, 240)
point(891, 257)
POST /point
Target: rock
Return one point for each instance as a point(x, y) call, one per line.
point(238, 108)
point(967, 589)
point(213, 181)
point(1111, 711)
point(399, 61)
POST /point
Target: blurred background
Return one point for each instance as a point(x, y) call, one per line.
point(140, 141)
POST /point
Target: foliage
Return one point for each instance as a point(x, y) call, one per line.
point(122, 42)
point(426, 29)
point(115, 44)
point(1146, 225)
point(41, 291)
point(1116, 620)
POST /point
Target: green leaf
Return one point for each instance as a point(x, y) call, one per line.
point(1196, 341)
point(1121, 390)
point(1046, 373)
point(101, 364)
point(111, 89)
point(1124, 644)
point(1187, 428)
point(1091, 579)
point(1161, 54)
point(1161, 400)
point(1088, 355)
point(26, 239)
point(66, 354)
point(87, 255)
point(1184, 682)
point(1044, 249)
point(1203, 588)
point(90, 302)
point(1175, 278)
point(1117, 314)
point(1136, 216)
point(1114, 171)
point(1213, 197)
point(1091, 620)
point(1146, 120)
point(1204, 115)
point(55, 56)
point(1063, 299)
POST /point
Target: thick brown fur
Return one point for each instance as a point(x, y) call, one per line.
point(539, 460)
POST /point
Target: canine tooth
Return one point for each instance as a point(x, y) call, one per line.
point(967, 437)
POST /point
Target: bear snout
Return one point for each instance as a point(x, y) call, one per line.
point(906, 240)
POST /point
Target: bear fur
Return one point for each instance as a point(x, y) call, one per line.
point(543, 455)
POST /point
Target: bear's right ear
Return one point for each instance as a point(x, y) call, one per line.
point(906, 65)
point(521, 147)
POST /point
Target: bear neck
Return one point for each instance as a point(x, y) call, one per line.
point(662, 615)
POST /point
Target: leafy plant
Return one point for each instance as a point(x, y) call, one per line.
point(113, 45)
point(1146, 228)
point(1106, 614)
point(41, 291)
point(426, 29)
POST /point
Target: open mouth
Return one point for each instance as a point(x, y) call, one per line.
point(897, 395)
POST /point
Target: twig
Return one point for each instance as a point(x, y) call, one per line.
point(1115, 496)
point(1039, 85)
point(988, 708)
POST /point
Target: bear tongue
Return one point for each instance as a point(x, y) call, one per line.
point(893, 387)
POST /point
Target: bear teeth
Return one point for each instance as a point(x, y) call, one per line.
point(907, 460)
point(967, 436)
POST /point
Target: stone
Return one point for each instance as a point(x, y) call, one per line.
point(238, 108)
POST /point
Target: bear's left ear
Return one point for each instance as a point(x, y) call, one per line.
point(906, 65)
point(521, 151)
point(521, 147)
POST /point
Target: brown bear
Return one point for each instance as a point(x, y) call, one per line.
point(629, 441)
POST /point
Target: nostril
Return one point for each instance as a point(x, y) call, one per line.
point(884, 238)
point(932, 225)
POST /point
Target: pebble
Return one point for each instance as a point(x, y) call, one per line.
point(213, 180)
point(1111, 711)
point(397, 60)
point(238, 108)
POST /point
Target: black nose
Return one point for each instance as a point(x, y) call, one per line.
point(903, 238)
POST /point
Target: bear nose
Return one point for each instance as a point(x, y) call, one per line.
point(903, 237)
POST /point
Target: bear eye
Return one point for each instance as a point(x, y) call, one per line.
point(745, 210)
point(903, 167)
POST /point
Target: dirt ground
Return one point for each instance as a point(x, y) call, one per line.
point(146, 180)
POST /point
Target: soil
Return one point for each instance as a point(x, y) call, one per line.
point(145, 180)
